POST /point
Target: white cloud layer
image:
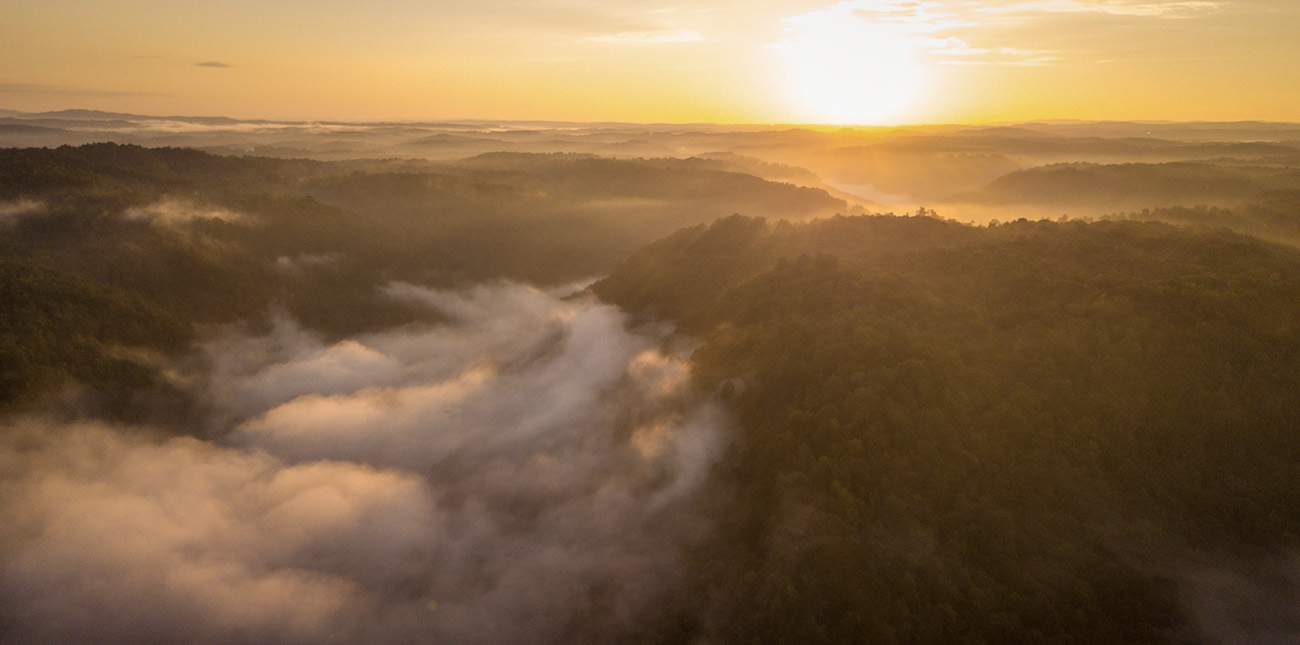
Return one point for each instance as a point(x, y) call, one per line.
point(525, 473)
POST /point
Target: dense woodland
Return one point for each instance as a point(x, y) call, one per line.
point(1019, 433)
point(1033, 431)
point(208, 239)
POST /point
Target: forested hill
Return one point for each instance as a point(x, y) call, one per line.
point(109, 168)
point(57, 328)
point(1035, 432)
point(540, 218)
point(211, 239)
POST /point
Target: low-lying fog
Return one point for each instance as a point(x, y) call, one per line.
point(526, 472)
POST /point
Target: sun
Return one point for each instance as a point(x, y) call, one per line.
point(843, 69)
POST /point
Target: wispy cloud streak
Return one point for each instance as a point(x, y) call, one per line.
point(950, 32)
point(654, 37)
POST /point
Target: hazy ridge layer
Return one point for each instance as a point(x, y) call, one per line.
point(959, 169)
point(213, 239)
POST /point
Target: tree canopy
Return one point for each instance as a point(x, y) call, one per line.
point(1003, 434)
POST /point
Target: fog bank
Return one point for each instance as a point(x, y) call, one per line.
point(526, 472)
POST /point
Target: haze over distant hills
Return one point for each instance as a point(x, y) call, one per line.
point(957, 169)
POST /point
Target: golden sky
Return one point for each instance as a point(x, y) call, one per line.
point(754, 61)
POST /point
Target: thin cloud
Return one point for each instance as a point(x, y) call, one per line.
point(1182, 9)
point(965, 54)
point(950, 32)
point(923, 27)
point(1171, 9)
point(40, 88)
point(1024, 62)
point(657, 37)
point(213, 63)
point(919, 17)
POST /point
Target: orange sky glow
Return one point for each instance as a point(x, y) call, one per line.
point(871, 62)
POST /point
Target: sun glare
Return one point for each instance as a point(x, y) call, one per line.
point(846, 70)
